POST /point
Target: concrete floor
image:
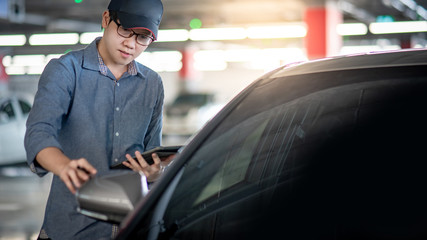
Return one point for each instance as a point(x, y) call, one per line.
point(23, 198)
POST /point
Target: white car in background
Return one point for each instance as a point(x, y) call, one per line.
point(14, 109)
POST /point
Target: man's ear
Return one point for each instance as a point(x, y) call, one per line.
point(105, 19)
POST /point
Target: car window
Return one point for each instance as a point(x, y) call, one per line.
point(25, 106)
point(236, 159)
point(7, 109)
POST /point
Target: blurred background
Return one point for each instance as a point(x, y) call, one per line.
point(207, 52)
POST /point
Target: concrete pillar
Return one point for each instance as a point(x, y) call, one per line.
point(187, 74)
point(4, 78)
point(322, 39)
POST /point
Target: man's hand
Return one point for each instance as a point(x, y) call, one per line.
point(75, 173)
point(153, 171)
point(72, 172)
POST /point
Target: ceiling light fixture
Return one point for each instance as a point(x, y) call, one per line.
point(207, 34)
point(173, 35)
point(352, 29)
point(54, 39)
point(283, 31)
point(398, 27)
point(12, 40)
point(29, 60)
point(88, 37)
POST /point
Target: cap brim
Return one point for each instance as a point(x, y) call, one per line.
point(137, 22)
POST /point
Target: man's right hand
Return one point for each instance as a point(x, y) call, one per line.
point(75, 173)
point(72, 172)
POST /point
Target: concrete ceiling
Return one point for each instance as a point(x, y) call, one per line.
point(36, 16)
point(41, 16)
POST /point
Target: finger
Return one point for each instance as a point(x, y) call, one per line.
point(128, 157)
point(76, 173)
point(127, 164)
point(69, 185)
point(83, 174)
point(134, 163)
point(141, 160)
point(156, 159)
point(84, 165)
point(72, 174)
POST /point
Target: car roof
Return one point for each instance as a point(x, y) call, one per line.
point(409, 57)
point(20, 95)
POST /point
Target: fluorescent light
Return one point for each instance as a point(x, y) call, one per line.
point(172, 35)
point(206, 34)
point(285, 55)
point(167, 56)
point(352, 29)
point(18, 70)
point(241, 55)
point(7, 61)
point(35, 70)
point(210, 66)
point(54, 39)
point(12, 40)
point(29, 60)
point(284, 31)
point(366, 48)
point(282, 55)
point(162, 61)
point(398, 27)
point(52, 56)
point(209, 55)
point(88, 37)
point(210, 60)
point(166, 61)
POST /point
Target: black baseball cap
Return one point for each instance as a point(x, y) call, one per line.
point(139, 14)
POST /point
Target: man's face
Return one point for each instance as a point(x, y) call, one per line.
point(119, 50)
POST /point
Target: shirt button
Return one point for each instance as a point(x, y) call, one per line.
point(117, 134)
point(116, 160)
point(117, 109)
point(118, 84)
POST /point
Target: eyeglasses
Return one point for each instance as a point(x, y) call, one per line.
point(141, 39)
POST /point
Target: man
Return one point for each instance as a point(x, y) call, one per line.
point(95, 108)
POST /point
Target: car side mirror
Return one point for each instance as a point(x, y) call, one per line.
point(111, 197)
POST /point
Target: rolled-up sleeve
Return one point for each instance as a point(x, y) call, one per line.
point(51, 104)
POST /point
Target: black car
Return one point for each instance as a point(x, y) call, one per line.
point(327, 149)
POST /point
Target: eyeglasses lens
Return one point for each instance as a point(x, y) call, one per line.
point(141, 38)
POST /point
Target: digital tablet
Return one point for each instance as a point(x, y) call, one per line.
point(162, 151)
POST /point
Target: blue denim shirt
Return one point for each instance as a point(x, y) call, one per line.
point(81, 109)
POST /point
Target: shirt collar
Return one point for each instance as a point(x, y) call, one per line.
point(104, 69)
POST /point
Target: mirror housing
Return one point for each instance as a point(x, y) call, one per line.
point(111, 197)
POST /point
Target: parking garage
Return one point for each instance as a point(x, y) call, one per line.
point(208, 50)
